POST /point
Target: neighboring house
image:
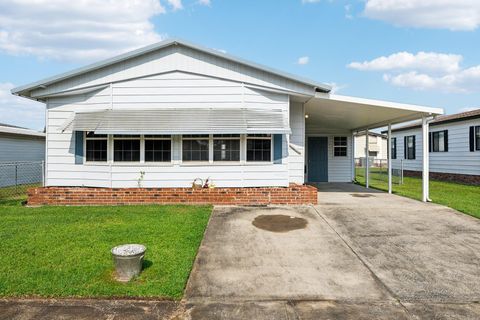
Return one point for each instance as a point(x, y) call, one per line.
point(21, 153)
point(171, 112)
point(377, 146)
point(21, 144)
point(454, 147)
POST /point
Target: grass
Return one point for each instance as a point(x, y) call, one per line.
point(10, 195)
point(461, 197)
point(65, 251)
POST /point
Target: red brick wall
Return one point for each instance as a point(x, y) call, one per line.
point(295, 194)
point(452, 177)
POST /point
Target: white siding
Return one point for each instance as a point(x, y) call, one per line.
point(168, 90)
point(458, 159)
point(21, 148)
point(176, 59)
point(339, 168)
point(376, 144)
point(296, 162)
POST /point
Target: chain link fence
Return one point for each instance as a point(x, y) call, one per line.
point(378, 171)
point(17, 177)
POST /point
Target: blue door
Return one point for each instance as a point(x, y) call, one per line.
point(318, 159)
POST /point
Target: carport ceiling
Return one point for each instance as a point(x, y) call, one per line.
point(349, 113)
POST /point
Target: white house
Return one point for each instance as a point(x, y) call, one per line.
point(21, 153)
point(173, 111)
point(454, 150)
point(377, 149)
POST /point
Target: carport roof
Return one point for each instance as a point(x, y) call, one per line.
point(356, 114)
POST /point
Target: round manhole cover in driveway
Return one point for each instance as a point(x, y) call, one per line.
point(279, 223)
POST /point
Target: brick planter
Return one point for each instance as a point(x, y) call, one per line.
point(292, 195)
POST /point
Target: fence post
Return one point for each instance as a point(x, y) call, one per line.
point(16, 175)
point(43, 173)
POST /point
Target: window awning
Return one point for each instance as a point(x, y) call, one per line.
point(180, 121)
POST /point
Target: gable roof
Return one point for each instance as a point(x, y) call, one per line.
point(158, 46)
point(457, 117)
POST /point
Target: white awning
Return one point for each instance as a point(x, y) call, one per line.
point(180, 121)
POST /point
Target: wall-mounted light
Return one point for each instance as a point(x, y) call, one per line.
point(306, 116)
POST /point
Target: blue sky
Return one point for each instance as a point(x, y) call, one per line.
point(423, 53)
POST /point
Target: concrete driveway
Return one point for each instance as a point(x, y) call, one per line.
point(359, 254)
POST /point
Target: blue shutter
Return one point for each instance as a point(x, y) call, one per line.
point(277, 148)
point(78, 147)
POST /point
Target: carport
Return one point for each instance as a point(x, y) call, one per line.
point(335, 113)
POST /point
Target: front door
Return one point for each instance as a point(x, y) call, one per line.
point(318, 159)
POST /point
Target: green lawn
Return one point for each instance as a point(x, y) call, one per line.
point(65, 251)
point(464, 198)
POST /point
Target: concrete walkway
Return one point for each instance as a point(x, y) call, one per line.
point(362, 254)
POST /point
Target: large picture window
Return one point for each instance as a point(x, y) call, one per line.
point(259, 147)
point(340, 146)
point(96, 147)
point(126, 148)
point(195, 148)
point(410, 147)
point(158, 148)
point(226, 147)
point(439, 141)
point(393, 149)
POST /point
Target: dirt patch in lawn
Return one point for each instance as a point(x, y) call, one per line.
point(279, 223)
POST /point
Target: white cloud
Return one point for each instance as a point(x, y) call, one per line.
point(336, 87)
point(176, 4)
point(303, 60)
point(438, 14)
point(425, 71)
point(427, 61)
point(310, 1)
point(76, 30)
point(20, 111)
point(204, 2)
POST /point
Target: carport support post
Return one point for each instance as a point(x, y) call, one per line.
point(389, 155)
point(367, 165)
point(425, 161)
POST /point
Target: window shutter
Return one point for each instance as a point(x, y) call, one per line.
point(405, 147)
point(445, 140)
point(414, 148)
point(277, 148)
point(472, 139)
point(78, 147)
point(430, 140)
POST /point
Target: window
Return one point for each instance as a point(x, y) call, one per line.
point(158, 148)
point(394, 148)
point(96, 147)
point(477, 137)
point(340, 146)
point(126, 148)
point(226, 147)
point(195, 148)
point(259, 147)
point(439, 141)
point(410, 147)
point(372, 154)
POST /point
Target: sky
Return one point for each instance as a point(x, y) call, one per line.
point(420, 52)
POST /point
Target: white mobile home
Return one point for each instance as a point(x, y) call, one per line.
point(172, 112)
point(454, 150)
